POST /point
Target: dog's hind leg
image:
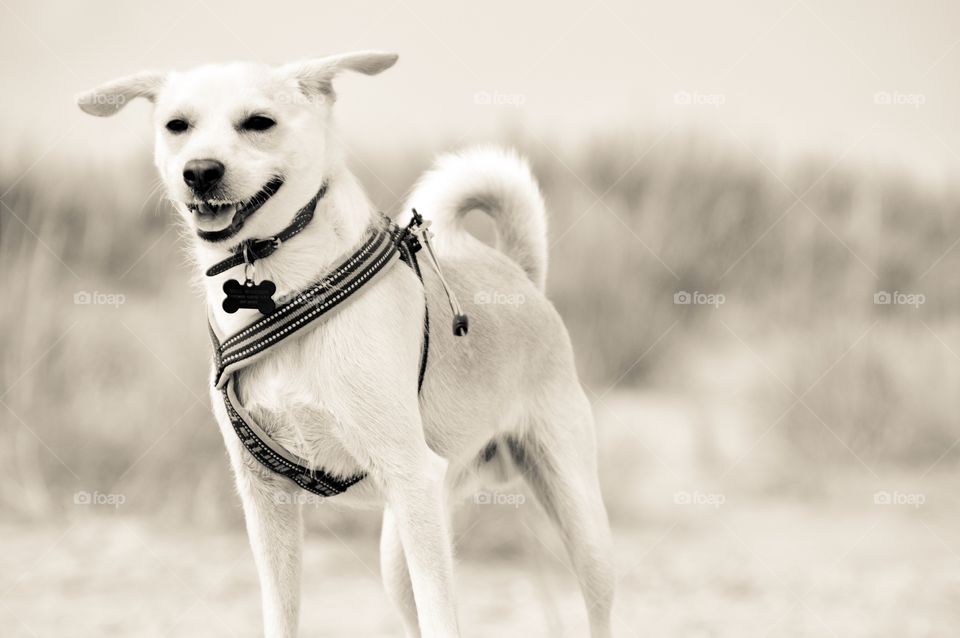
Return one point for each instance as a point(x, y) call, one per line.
point(396, 575)
point(557, 457)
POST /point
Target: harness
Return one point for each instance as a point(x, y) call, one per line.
point(383, 243)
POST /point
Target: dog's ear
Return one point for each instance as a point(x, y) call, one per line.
point(109, 98)
point(316, 76)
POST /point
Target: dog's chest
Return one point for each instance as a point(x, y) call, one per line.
point(283, 393)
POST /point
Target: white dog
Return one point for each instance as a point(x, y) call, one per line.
point(343, 394)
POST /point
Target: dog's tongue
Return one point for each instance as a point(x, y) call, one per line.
point(216, 209)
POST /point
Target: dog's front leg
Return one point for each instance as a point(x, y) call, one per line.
point(272, 509)
point(416, 496)
point(275, 528)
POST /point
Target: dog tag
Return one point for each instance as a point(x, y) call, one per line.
point(249, 295)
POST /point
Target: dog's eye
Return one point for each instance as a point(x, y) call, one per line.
point(257, 123)
point(177, 126)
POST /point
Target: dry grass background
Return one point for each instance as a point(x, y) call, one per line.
point(797, 389)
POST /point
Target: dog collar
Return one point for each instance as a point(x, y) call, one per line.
point(250, 250)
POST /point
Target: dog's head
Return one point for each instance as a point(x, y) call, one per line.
point(237, 139)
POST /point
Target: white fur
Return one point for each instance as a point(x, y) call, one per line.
point(344, 395)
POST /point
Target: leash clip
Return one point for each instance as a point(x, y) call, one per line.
point(254, 249)
point(249, 270)
point(420, 229)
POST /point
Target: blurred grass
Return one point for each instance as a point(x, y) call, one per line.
point(113, 399)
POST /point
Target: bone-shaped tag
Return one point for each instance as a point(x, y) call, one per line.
point(249, 295)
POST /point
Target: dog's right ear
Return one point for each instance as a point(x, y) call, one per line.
point(109, 98)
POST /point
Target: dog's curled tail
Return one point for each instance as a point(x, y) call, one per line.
point(498, 182)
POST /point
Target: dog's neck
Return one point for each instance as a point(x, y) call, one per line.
point(339, 222)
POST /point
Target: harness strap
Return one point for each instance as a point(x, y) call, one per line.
point(384, 241)
point(408, 253)
point(317, 301)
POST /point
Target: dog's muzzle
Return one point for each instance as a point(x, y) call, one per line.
point(242, 211)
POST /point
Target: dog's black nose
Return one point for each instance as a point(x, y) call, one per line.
point(203, 174)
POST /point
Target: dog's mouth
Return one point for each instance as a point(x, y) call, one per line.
point(211, 213)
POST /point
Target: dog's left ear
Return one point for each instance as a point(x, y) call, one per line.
point(316, 76)
point(109, 98)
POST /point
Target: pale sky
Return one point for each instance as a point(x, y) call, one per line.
point(779, 76)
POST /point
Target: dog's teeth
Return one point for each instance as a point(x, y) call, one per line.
point(213, 209)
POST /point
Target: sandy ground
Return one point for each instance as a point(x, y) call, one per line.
point(763, 569)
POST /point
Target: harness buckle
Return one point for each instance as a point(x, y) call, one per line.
point(414, 231)
point(260, 248)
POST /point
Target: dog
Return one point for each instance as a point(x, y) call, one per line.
point(501, 402)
